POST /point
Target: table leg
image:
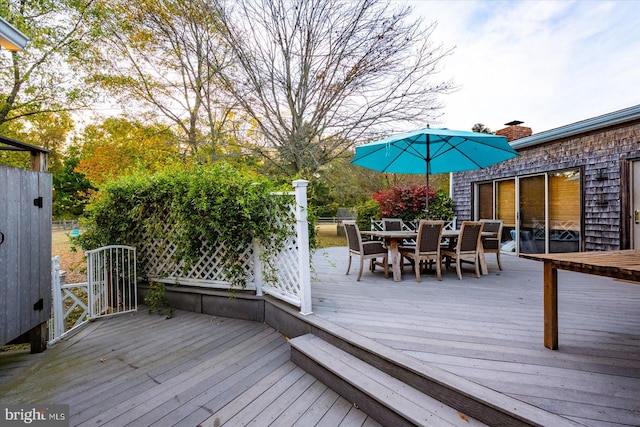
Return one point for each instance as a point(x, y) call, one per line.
point(550, 306)
point(396, 260)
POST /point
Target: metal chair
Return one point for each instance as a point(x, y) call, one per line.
point(365, 250)
point(493, 244)
point(427, 247)
point(467, 247)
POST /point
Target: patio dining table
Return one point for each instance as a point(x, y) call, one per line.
point(624, 265)
point(392, 240)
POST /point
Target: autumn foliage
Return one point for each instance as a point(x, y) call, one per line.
point(409, 202)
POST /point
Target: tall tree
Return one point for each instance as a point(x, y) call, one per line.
point(71, 190)
point(119, 146)
point(160, 58)
point(317, 76)
point(43, 85)
point(46, 77)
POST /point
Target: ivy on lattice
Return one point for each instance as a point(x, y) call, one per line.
point(182, 219)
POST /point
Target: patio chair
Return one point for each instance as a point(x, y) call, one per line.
point(392, 224)
point(365, 250)
point(467, 247)
point(427, 247)
point(493, 245)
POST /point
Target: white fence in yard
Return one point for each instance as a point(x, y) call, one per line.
point(67, 300)
point(376, 225)
point(110, 289)
point(292, 279)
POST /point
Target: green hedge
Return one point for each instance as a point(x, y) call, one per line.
point(220, 203)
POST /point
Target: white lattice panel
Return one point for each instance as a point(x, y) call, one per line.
point(156, 256)
point(280, 276)
point(286, 284)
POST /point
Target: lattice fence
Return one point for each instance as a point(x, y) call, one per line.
point(376, 225)
point(559, 230)
point(283, 282)
point(285, 275)
point(156, 256)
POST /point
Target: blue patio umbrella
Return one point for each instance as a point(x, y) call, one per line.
point(427, 151)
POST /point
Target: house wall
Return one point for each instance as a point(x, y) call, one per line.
point(606, 149)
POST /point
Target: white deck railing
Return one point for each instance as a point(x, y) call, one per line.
point(68, 301)
point(288, 278)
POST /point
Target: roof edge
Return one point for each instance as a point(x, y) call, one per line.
point(10, 37)
point(605, 120)
point(22, 146)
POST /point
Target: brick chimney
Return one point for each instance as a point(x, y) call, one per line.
point(514, 131)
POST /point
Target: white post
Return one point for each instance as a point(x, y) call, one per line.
point(302, 229)
point(257, 267)
point(58, 309)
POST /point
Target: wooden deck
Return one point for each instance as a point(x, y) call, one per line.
point(142, 369)
point(489, 330)
point(199, 369)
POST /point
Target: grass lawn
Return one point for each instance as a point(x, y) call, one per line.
point(328, 236)
point(71, 262)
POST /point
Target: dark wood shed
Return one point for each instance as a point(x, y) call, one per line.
point(25, 248)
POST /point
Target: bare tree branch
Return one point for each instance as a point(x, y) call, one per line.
point(318, 76)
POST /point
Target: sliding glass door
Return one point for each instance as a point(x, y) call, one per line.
point(532, 209)
point(541, 213)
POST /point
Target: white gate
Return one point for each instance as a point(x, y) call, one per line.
point(111, 274)
point(110, 289)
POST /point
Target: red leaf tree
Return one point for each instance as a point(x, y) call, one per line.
point(406, 202)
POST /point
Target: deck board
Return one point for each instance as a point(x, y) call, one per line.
point(490, 330)
point(142, 369)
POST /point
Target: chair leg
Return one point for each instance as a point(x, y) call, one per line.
point(476, 264)
point(439, 268)
point(417, 267)
point(459, 268)
point(348, 265)
point(361, 267)
point(498, 258)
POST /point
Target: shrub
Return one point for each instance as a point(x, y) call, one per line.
point(365, 212)
point(220, 204)
point(409, 203)
point(441, 206)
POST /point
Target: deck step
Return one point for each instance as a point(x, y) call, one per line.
point(383, 397)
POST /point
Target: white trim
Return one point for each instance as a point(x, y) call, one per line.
point(610, 119)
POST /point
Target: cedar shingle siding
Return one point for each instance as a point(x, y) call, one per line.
point(601, 156)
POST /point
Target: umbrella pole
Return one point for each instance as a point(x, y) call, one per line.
point(426, 208)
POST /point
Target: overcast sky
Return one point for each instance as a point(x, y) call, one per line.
point(546, 63)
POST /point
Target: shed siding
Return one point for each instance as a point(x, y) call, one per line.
point(25, 254)
point(605, 150)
